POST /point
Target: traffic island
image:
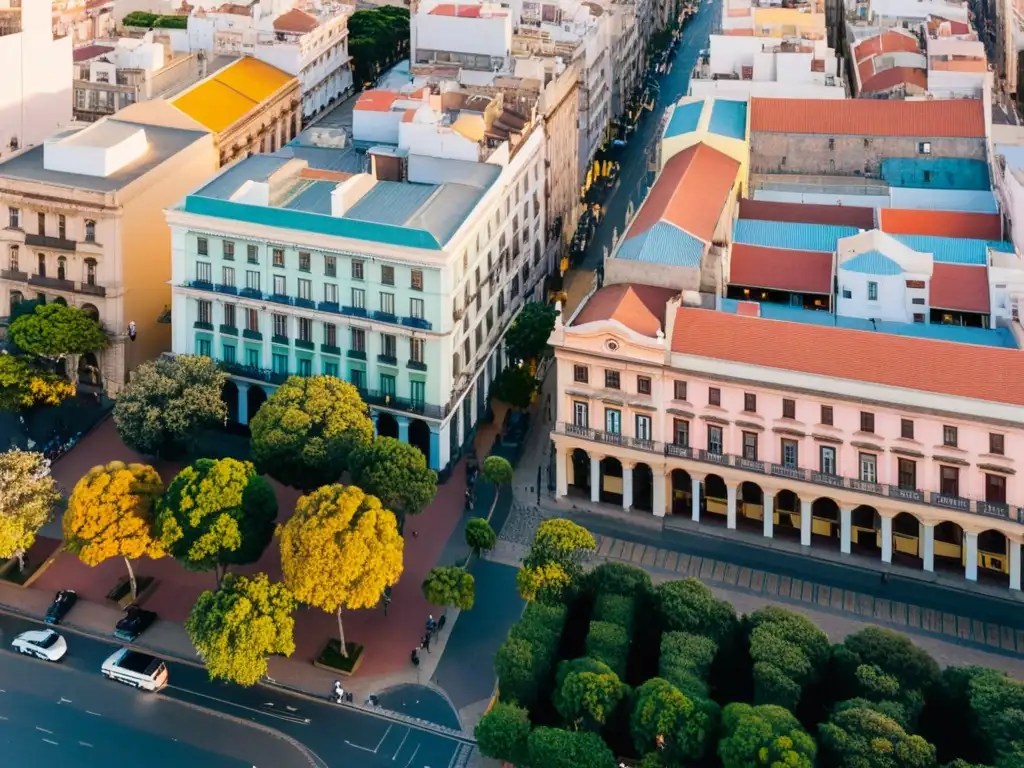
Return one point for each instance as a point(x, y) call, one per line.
point(332, 660)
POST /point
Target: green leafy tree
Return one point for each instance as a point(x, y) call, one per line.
point(56, 330)
point(764, 737)
point(306, 432)
point(111, 514)
point(997, 715)
point(667, 720)
point(789, 652)
point(556, 748)
point(891, 709)
point(450, 585)
point(527, 337)
point(619, 579)
point(340, 550)
point(689, 606)
point(503, 732)
point(396, 473)
point(516, 386)
point(863, 738)
point(168, 403)
point(609, 643)
point(615, 609)
point(588, 698)
point(24, 384)
point(498, 472)
point(891, 653)
point(527, 657)
point(555, 559)
point(685, 661)
point(215, 514)
point(28, 497)
point(237, 627)
point(480, 535)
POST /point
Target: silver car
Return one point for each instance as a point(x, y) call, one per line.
point(44, 644)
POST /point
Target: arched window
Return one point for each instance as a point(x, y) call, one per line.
point(41, 265)
point(62, 268)
point(12, 258)
point(16, 298)
point(456, 364)
point(90, 271)
point(91, 311)
point(90, 231)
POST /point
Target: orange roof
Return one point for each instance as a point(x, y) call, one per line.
point(893, 77)
point(974, 226)
point(748, 309)
point(691, 192)
point(408, 115)
point(640, 308)
point(739, 32)
point(960, 287)
point(736, 13)
point(889, 42)
point(462, 11)
point(962, 64)
point(780, 269)
point(376, 101)
point(809, 213)
point(317, 174)
point(296, 21)
point(953, 118)
point(995, 374)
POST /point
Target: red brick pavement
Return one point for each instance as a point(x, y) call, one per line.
point(388, 639)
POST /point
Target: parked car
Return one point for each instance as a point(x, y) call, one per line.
point(44, 644)
point(134, 622)
point(136, 669)
point(62, 603)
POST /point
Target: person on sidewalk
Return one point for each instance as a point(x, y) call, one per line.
point(431, 624)
point(414, 657)
point(338, 695)
point(425, 643)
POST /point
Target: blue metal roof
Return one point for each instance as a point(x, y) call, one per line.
point(729, 118)
point(872, 263)
point(998, 337)
point(791, 236)
point(663, 243)
point(685, 118)
point(953, 250)
point(936, 173)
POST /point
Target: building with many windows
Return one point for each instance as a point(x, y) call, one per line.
point(392, 268)
point(889, 443)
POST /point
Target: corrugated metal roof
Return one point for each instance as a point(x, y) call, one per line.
point(872, 263)
point(663, 243)
point(224, 98)
point(685, 118)
point(797, 237)
point(953, 250)
point(391, 202)
point(729, 118)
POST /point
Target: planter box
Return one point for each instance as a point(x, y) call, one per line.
point(330, 658)
point(9, 570)
point(122, 591)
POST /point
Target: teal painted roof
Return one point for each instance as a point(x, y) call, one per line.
point(872, 263)
point(663, 243)
point(791, 236)
point(953, 250)
point(685, 118)
point(729, 119)
point(936, 173)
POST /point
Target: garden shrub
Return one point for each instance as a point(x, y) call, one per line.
point(615, 609)
point(609, 643)
point(789, 652)
point(689, 606)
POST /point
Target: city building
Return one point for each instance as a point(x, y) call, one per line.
point(397, 268)
point(84, 20)
point(957, 65)
point(249, 106)
point(752, 18)
point(889, 66)
point(83, 225)
point(867, 441)
point(35, 87)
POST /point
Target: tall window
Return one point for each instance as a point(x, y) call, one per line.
point(330, 266)
point(387, 302)
point(788, 408)
point(305, 261)
point(581, 413)
point(306, 289)
point(62, 226)
point(907, 428)
point(907, 474)
point(681, 432)
point(580, 373)
point(12, 258)
point(62, 268)
point(279, 363)
point(203, 347)
point(872, 291)
point(252, 280)
point(305, 366)
point(280, 325)
point(790, 457)
point(826, 415)
point(749, 402)
point(41, 264)
point(387, 275)
point(357, 269)
point(416, 347)
point(278, 257)
point(14, 218)
point(358, 298)
point(643, 428)
point(229, 315)
point(90, 271)
point(868, 467)
point(204, 272)
point(750, 446)
point(205, 312)
point(252, 320)
point(613, 421)
point(228, 251)
point(358, 340)
point(41, 223)
point(389, 345)
point(611, 379)
point(949, 436)
point(679, 390)
point(714, 396)
point(331, 293)
point(90, 231)
point(280, 285)
point(867, 422)
point(714, 439)
point(995, 489)
point(416, 308)
point(252, 358)
point(643, 385)
point(949, 480)
point(387, 384)
point(330, 334)
point(828, 460)
point(305, 329)
point(416, 279)
point(995, 443)
point(418, 391)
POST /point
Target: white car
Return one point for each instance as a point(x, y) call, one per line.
point(42, 643)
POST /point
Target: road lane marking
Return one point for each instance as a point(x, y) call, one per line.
point(64, 701)
point(413, 756)
point(407, 732)
point(367, 749)
point(278, 715)
point(85, 744)
point(94, 714)
point(51, 742)
point(44, 730)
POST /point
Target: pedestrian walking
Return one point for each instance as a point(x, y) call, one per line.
point(414, 657)
point(425, 643)
point(387, 599)
point(431, 624)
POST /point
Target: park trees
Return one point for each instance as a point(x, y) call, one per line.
point(24, 383)
point(587, 695)
point(498, 472)
point(527, 657)
point(28, 496)
point(111, 514)
point(789, 652)
point(689, 606)
point(479, 534)
point(340, 550)
point(450, 585)
point(555, 559)
point(664, 718)
point(527, 337)
point(54, 331)
point(764, 737)
point(396, 473)
point(216, 513)
point(864, 738)
point(377, 38)
point(306, 432)
point(555, 748)
point(515, 385)
point(236, 627)
point(168, 403)
point(502, 733)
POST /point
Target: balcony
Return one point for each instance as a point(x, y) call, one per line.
point(201, 325)
point(279, 298)
point(354, 311)
point(387, 359)
point(92, 289)
point(304, 344)
point(385, 317)
point(14, 274)
point(278, 339)
point(305, 303)
point(357, 354)
point(417, 322)
point(228, 289)
point(57, 283)
point(251, 293)
point(230, 330)
point(932, 498)
point(388, 400)
point(54, 243)
point(251, 334)
point(416, 365)
point(330, 349)
point(329, 306)
point(249, 372)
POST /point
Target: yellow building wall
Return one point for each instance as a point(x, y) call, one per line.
point(774, 21)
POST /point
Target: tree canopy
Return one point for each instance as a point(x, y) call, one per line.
point(378, 37)
point(891, 653)
point(515, 385)
point(587, 697)
point(168, 403)
point(789, 652)
point(450, 585)
point(306, 432)
point(664, 718)
point(554, 560)
point(556, 748)
point(396, 473)
point(479, 534)
point(28, 496)
point(111, 514)
point(527, 656)
point(863, 738)
point(502, 733)
point(764, 737)
point(55, 329)
point(236, 627)
point(340, 550)
point(689, 606)
point(217, 513)
point(527, 337)
point(24, 384)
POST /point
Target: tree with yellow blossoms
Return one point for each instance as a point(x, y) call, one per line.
point(28, 496)
point(24, 384)
point(110, 514)
point(340, 550)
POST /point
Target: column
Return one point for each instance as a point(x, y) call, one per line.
point(1014, 564)
point(768, 509)
point(886, 539)
point(695, 498)
point(243, 401)
point(659, 479)
point(845, 529)
point(929, 546)
point(403, 428)
point(595, 479)
point(373, 416)
point(627, 486)
point(730, 490)
point(561, 480)
point(436, 442)
point(971, 567)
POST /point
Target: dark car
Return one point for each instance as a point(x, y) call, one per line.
point(134, 622)
point(62, 603)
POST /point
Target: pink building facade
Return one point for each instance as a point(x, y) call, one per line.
point(890, 446)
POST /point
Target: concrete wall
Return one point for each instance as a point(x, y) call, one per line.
point(625, 271)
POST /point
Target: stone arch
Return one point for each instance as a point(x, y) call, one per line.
point(254, 399)
point(716, 495)
point(865, 527)
point(419, 437)
point(750, 503)
point(91, 311)
point(16, 298)
point(643, 487)
point(60, 300)
point(682, 492)
point(787, 508)
point(949, 546)
point(611, 480)
point(229, 394)
point(825, 521)
point(89, 370)
point(993, 555)
point(580, 462)
point(62, 268)
point(387, 426)
point(906, 539)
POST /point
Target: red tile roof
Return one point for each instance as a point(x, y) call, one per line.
point(909, 77)
point(995, 374)
point(953, 118)
point(640, 308)
point(974, 226)
point(691, 192)
point(463, 11)
point(889, 42)
point(87, 52)
point(959, 287)
point(296, 21)
point(809, 213)
point(779, 269)
point(376, 100)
